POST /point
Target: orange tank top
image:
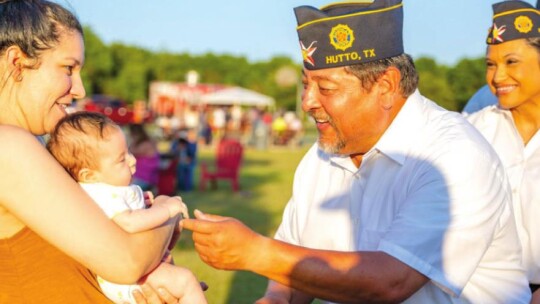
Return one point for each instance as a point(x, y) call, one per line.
point(34, 271)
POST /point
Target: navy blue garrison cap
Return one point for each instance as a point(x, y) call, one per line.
point(348, 33)
point(513, 20)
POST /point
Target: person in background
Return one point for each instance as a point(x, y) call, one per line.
point(54, 238)
point(279, 128)
point(219, 122)
point(184, 148)
point(204, 130)
point(483, 97)
point(513, 76)
point(384, 204)
point(145, 150)
point(103, 166)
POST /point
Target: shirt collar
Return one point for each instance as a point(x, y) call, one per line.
point(497, 109)
point(396, 141)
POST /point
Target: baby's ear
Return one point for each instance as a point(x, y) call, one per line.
point(86, 176)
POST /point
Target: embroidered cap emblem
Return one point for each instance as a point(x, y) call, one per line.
point(523, 24)
point(497, 32)
point(307, 52)
point(341, 37)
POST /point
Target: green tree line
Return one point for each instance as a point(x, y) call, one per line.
point(126, 71)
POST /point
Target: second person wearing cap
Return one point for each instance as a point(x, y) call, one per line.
point(513, 75)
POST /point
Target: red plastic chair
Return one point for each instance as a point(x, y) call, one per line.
point(227, 165)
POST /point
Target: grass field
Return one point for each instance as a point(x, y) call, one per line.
point(266, 183)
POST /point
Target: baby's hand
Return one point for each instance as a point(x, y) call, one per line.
point(148, 198)
point(177, 206)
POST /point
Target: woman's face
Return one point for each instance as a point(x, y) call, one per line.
point(513, 72)
point(45, 91)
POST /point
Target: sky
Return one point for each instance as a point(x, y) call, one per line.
point(261, 29)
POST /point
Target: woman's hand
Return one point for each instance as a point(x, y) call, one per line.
point(151, 296)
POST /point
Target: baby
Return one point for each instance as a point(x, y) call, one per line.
point(93, 149)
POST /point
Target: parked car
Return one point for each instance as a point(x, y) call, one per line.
point(116, 109)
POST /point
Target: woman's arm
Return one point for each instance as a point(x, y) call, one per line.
point(44, 197)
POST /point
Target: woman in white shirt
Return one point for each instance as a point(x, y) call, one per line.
point(511, 126)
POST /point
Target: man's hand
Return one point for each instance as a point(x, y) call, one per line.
point(271, 300)
point(223, 242)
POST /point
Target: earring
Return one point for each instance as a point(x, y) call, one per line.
point(18, 71)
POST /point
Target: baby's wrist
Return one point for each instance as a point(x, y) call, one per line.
point(172, 210)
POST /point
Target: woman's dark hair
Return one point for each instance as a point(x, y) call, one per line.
point(535, 43)
point(369, 72)
point(138, 134)
point(34, 25)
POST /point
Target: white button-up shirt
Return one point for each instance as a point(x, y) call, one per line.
point(114, 200)
point(522, 164)
point(431, 193)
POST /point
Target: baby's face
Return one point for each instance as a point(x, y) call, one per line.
point(117, 165)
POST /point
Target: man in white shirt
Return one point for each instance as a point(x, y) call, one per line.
point(399, 200)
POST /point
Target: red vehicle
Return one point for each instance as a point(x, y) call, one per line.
point(116, 109)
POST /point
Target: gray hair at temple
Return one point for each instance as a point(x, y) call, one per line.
point(369, 72)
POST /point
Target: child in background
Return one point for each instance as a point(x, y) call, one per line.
point(185, 149)
point(93, 149)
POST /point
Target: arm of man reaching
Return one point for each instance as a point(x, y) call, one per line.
point(280, 294)
point(226, 243)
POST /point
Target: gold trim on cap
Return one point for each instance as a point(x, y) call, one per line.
point(364, 2)
point(517, 11)
point(350, 15)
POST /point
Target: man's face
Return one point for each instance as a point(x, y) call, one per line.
point(349, 119)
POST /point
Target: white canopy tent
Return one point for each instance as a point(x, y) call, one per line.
point(237, 96)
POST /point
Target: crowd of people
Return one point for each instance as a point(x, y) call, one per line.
point(398, 201)
point(253, 126)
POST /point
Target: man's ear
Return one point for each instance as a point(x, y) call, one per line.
point(87, 176)
point(388, 85)
point(390, 79)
